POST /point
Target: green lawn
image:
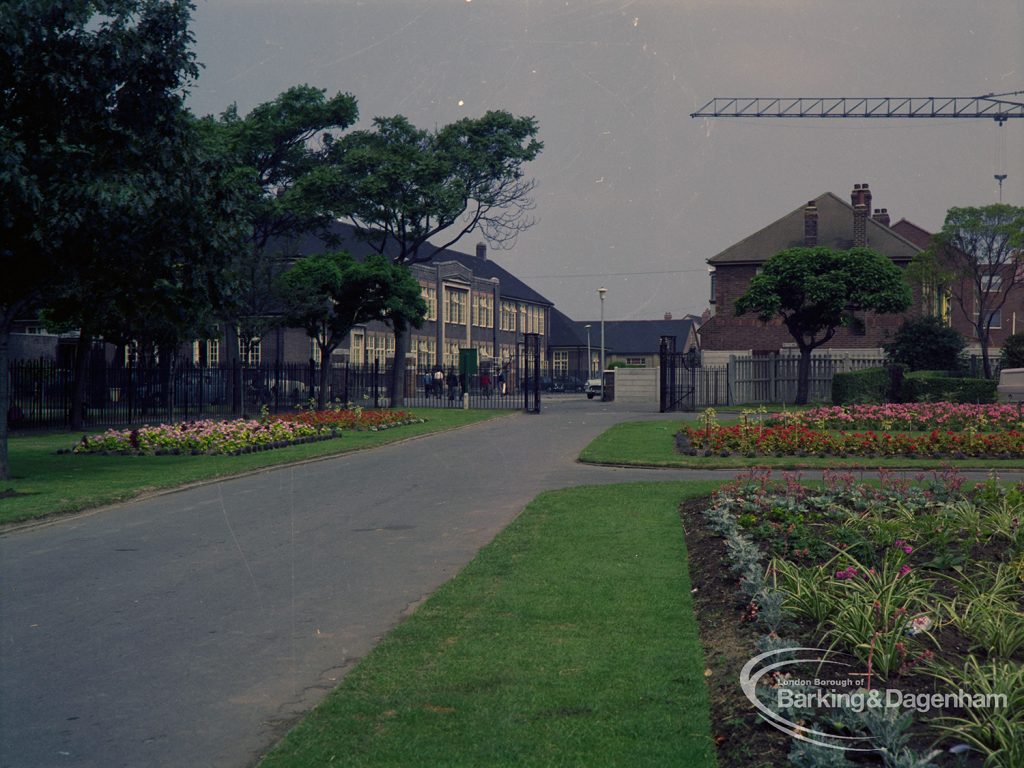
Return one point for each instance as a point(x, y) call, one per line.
point(45, 483)
point(569, 640)
point(652, 443)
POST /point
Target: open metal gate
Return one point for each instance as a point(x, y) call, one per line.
point(678, 386)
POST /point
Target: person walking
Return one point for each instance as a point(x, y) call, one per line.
point(453, 384)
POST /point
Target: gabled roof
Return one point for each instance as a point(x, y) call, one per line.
point(910, 231)
point(835, 230)
point(565, 332)
point(342, 236)
point(641, 337)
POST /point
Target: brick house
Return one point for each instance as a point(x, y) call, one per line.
point(1005, 305)
point(825, 221)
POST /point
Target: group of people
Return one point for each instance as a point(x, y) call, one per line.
point(436, 383)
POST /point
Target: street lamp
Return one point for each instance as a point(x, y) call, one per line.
point(590, 357)
point(601, 292)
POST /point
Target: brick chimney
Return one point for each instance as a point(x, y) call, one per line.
point(860, 198)
point(481, 251)
point(668, 315)
point(882, 216)
point(811, 224)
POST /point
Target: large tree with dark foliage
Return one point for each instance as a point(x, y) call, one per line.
point(92, 133)
point(815, 291)
point(411, 192)
point(277, 153)
point(328, 294)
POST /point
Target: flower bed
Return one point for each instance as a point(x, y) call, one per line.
point(350, 418)
point(919, 417)
point(240, 435)
point(804, 441)
point(915, 588)
point(989, 432)
point(203, 437)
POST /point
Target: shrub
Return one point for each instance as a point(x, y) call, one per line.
point(869, 385)
point(1012, 354)
point(925, 386)
point(926, 343)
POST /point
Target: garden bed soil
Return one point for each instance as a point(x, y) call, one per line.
point(742, 738)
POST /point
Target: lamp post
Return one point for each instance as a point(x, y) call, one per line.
point(590, 357)
point(601, 292)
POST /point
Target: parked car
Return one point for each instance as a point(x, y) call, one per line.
point(593, 388)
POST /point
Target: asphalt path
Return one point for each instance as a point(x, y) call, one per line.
point(192, 628)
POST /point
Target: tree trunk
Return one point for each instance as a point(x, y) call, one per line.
point(803, 375)
point(5, 401)
point(402, 342)
point(986, 363)
point(82, 350)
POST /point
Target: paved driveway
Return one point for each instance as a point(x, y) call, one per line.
point(191, 628)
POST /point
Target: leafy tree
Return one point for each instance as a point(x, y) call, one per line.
point(982, 251)
point(328, 294)
point(90, 110)
point(152, 273)
point(814, 291)
point(403, 187)
point(926, 344)
point(278, 153)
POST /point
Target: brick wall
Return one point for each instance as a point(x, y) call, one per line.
point(725, 331)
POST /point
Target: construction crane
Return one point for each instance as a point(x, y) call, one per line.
point(995, 106)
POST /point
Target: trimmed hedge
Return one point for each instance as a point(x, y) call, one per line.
point(925, 386)
point(870, 385)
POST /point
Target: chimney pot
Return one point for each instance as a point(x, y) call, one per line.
point(481, 251)
point(668, 315)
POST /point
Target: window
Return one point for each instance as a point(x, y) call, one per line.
point(714, 286)
point(356, 347)
point(379, 346)
point(314, 352)
point(451, 354)
point(532, 319)
point(212, 351)
point(430, 297)
point(508, 316)
point(483, 310)
point(995, 318)
point(486, 349)
point(426, 351)
point(455, 306)
point(249, 350)
point(991, 283)
point(560, 362)
point(639, 362)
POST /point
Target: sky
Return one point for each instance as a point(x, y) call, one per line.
point(632, 193)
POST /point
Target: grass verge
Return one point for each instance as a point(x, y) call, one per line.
point(569, 640)
point(652, 444)
point(44, 483)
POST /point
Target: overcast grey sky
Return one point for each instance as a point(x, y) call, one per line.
point(632, 193)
